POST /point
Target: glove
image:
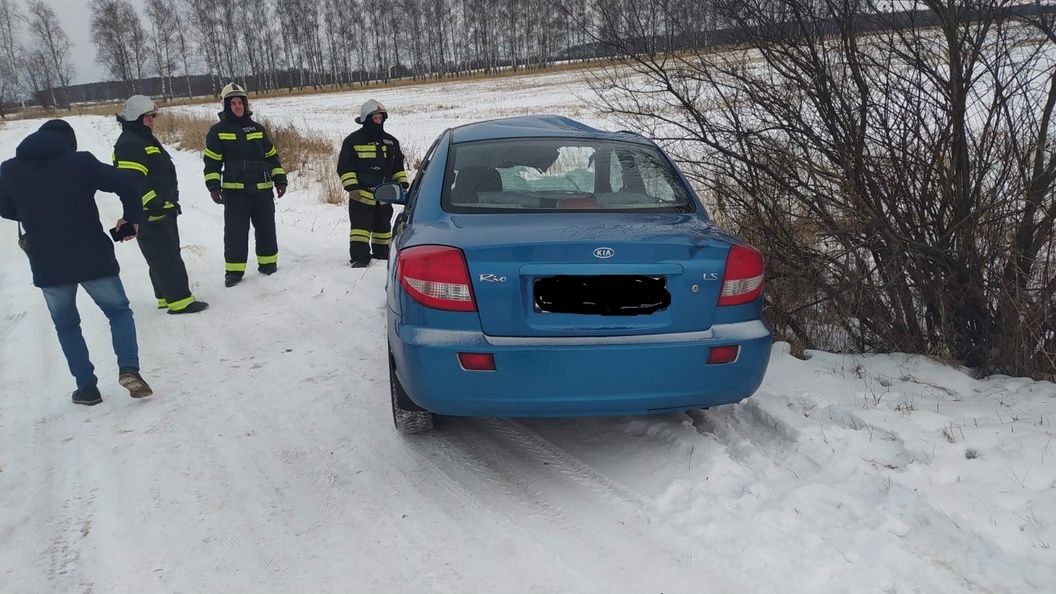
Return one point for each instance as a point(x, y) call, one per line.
point(405, 186)
point(217, 195)
point(280, 189)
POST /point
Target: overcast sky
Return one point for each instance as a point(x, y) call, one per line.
point(75, 20)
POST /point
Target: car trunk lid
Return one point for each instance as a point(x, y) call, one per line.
point(596, 275)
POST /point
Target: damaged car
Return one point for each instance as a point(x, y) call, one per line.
point(542, 268)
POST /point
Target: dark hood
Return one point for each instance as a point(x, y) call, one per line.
point(138, 127)
point(228, 115)
point(52, 138)
point(374, 131)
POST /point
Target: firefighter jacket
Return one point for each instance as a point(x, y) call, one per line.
point(137, 150)
point(239, 156)
point(367, 159)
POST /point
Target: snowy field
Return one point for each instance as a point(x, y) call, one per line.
point(267, 462)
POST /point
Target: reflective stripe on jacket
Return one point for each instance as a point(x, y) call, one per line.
point(239, 155)
point(366, 161)
point(138, 150)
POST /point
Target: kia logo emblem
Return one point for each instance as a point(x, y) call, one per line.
point(604, 252)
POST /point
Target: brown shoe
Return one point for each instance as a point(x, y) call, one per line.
point(134, 383)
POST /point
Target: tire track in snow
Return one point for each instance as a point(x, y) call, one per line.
point(457, 478)
point(10, 321)
point(572, 467)
point(62, 514)
point(591, 511)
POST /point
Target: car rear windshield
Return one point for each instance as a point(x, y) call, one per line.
point(561, 174)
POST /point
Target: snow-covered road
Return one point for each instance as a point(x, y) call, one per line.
point(267, 460)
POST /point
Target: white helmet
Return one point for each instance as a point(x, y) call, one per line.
point(370, 108)
point(232, 90)
point(136, 106)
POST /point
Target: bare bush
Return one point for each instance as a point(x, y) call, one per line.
point(310, 155)
point(897, 169)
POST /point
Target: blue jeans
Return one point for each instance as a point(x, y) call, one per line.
point(109, 294)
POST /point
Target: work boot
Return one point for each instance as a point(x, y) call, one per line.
point(267, 268)
point(192, 307)
point(232, 278)
point(88, 396)
point(360, 263)
point(133, 382)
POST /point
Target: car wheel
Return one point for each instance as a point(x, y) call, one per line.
point(406, 421)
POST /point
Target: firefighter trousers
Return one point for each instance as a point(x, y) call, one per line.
point(240, 210)
point(160, 243)
point(371, 231)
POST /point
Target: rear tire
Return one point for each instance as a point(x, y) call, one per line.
point(406, 421)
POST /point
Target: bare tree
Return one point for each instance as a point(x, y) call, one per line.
point(337, 43)
point(540, 28)
point(11, 52)
point(209, 39)
point(374, 28)
point(510, 34)
point(225, 12)
point(184, 49)
point(897, 168)
point(298, 38)
point(267, 40)
point(119, 41)
point(139, 45)
point(480, 22)
point(53, 45)
point(438, 15)
point(39, 77)
point(413, 28)
point(164, 30)
point(361, 42)
point(311, 39)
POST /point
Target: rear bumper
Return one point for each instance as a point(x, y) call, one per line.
point(578, 376)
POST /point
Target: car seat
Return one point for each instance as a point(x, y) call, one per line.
point(471, 180)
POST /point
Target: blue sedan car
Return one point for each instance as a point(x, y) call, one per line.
point(542, 268)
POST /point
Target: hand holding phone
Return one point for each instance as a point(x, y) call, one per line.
point(123, 231)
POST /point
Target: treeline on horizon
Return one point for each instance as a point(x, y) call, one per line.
point(288, 44)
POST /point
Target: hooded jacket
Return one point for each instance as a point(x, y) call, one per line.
point(138, 150)
point(368, 157)
point(50, 187)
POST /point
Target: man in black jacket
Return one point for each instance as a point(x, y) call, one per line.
point(138, 150)
point(369, 156)
point(241, 169)
point(50, 188)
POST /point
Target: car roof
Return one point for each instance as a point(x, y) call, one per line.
point(536, 126)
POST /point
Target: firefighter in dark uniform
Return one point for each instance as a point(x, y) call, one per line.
point(137, 150)
point(242, 169)
point(369, 156)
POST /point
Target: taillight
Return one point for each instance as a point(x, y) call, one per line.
point(436, 276)
point(477, 361)
point(723, 354)
point(742, 282)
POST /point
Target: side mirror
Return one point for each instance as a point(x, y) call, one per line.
point(391, 193)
